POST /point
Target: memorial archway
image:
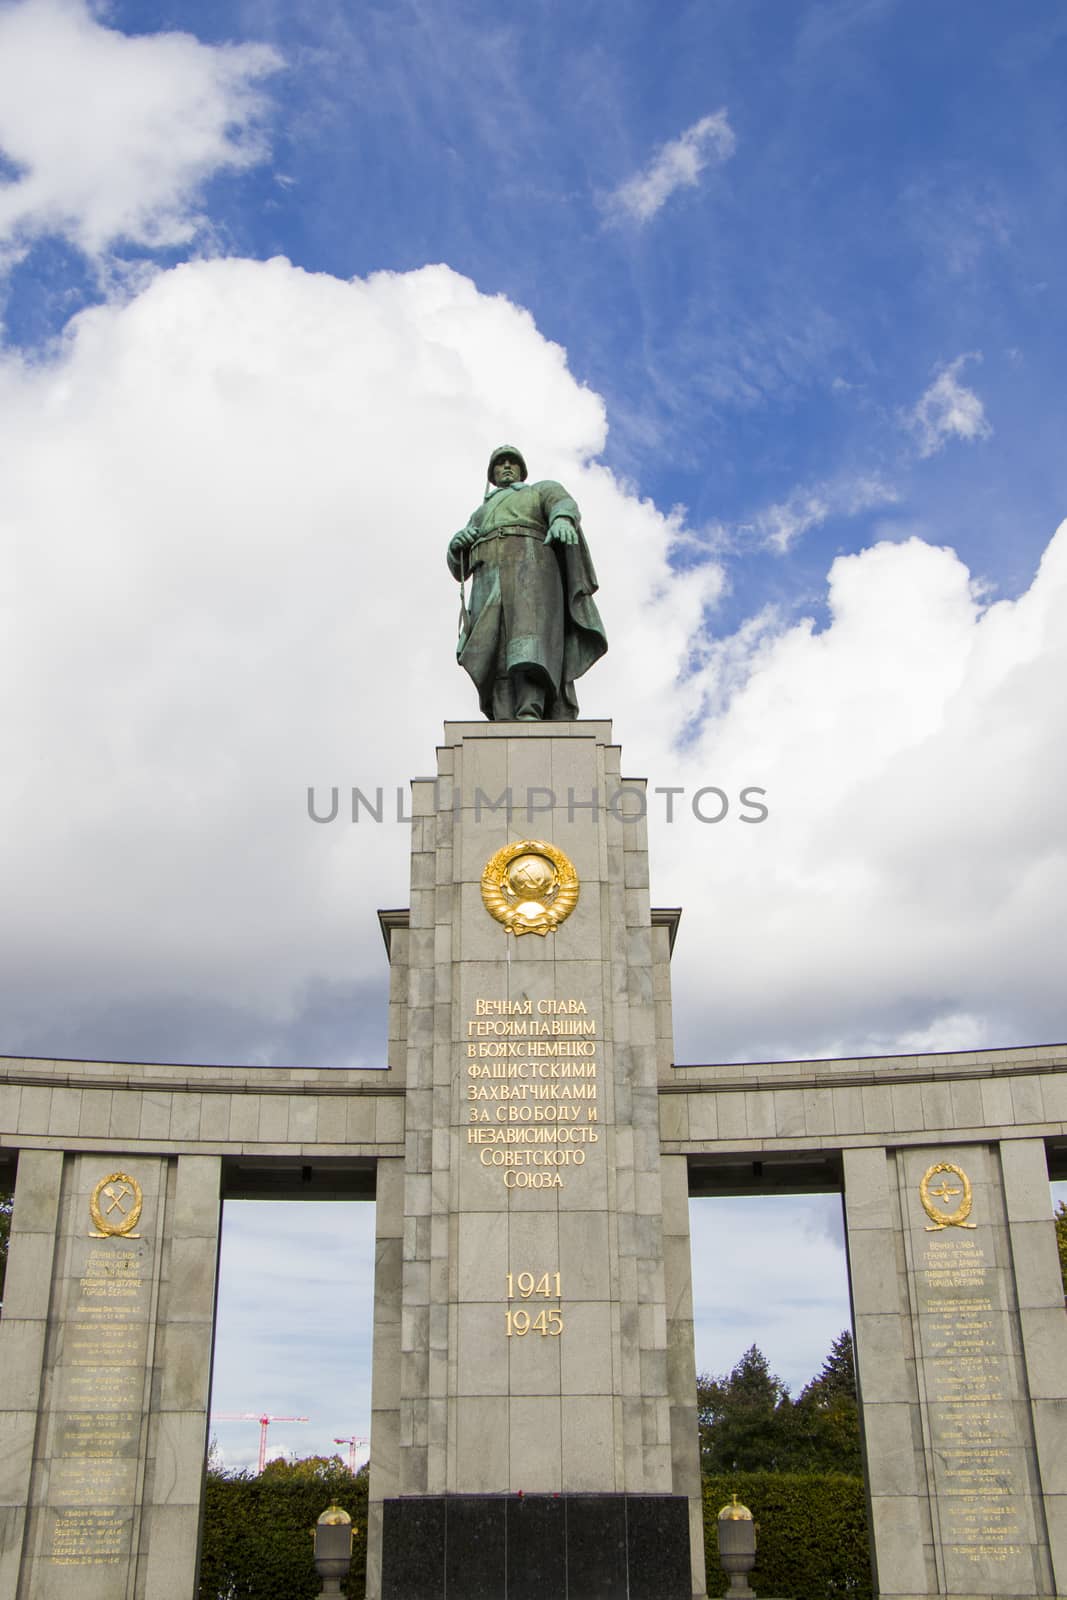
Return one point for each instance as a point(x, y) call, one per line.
point(105, 1339)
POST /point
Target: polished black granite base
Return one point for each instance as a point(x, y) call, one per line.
point(536, 1547)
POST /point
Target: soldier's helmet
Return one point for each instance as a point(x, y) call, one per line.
point(507, 450)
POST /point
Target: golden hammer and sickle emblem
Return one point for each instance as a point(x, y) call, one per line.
point(115, 1207)
point(946, 1193)
point(530, 886)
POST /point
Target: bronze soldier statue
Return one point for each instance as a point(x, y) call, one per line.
point(532, 626)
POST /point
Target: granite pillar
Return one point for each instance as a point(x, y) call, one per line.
point(533, 1331)
point(385, 1376)
point(1038, 1286)
point(109, 1330)
point(23, 1337)
point(959, 1324)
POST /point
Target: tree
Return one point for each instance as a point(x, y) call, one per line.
point(749, 1423)
point(797, 1465)
point(827, 1415)
point(837, 1380)
point(6, 1202)
point(1061, 1240)
point(744, 1417)
point(310, 1469)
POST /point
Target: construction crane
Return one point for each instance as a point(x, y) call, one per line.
point(351, 1443)
point(264, 1421)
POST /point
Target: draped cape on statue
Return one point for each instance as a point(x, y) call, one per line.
point(531, 604)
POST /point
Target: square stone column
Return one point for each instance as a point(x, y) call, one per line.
point(681, 1355)
point(1043, 1329)
point(533, 1336)
point(109, 1332)
point(181, 1381)
point(959, 1321)
point(385, 1378)
point(23, 1333)
point(899, 1514)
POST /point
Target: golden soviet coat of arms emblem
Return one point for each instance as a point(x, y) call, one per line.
point(115, 1207)
point(944, 1192)
point(530, 887)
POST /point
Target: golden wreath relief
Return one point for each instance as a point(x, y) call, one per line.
point(945, 1192)
point(115, 1207)
point(530, 887)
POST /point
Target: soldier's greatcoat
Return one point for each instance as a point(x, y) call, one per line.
point(531, 604)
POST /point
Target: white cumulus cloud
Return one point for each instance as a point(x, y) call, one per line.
point(112, 136)
point(948, 409)
point(909, 884)
point(229, 500)
point(676, 165)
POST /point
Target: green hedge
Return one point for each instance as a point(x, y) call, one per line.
point(812, 1541)
point(257, 1543)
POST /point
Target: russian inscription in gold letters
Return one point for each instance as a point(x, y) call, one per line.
point(115, 1207)
point(531, 887)
point(532, 1081)
point(945, 1192)
point(978, 1468)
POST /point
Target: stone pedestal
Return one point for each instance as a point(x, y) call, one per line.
point(524, 1547)
point(529, 1337)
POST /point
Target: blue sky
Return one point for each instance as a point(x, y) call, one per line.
point(777, 291)
point(892, 200)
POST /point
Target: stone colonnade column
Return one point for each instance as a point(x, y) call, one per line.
point(901, 1536)
point(1043, 1328)
point(105, 1344)
point(385, 1377)
point(23, 1333)
point(681, 1355)
point(961, 1366)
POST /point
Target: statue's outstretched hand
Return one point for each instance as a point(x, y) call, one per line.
point(561, 530)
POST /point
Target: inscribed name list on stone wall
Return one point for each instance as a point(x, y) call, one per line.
point(979, 1462)
point(100, 1386)
point(530, 1084)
